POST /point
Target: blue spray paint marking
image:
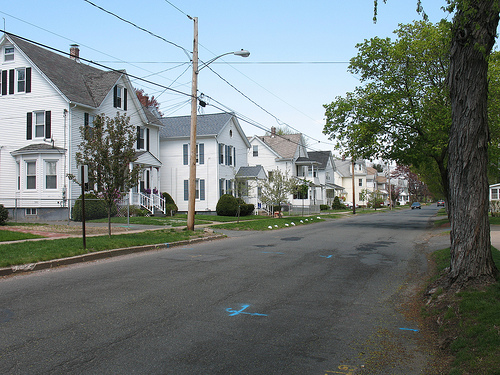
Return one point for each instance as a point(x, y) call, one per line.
point(271, 252)
point(326, 256)
point(409, 329)
point(234, 312)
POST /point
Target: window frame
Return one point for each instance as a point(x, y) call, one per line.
point(30, 176)
point(20, 81)
point(5, 54)
point(255, 151)
point(53, 176)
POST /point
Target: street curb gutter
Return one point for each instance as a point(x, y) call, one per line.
point(22, 268)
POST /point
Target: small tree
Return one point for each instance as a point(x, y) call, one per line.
point(277, 188)
point(108, 149)
point(4, 214)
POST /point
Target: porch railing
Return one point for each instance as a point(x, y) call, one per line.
point(151, 202)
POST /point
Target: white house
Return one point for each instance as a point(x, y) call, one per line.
point(288, 153)
point(45, 98)
point(222, 149)
point(326, 167)
point(345, 177)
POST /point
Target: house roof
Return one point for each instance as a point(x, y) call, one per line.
point(251, 172)
point(37, 149)
point(284, 145)
point(321, 157)
point(180, 126)
point(80, 83)
point(344, 167)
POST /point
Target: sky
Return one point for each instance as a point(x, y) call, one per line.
point(299, 50)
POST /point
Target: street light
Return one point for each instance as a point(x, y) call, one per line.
point(192, 138)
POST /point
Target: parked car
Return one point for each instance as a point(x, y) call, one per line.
point(416, 205)
point(440, 203)
point(349, 205)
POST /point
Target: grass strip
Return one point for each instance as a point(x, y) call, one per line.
point(269, 224)
point(472, 320)
point(43, 250)
point(9, 235)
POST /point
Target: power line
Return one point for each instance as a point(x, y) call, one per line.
point(138, 27)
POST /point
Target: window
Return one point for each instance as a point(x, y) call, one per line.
point(9, 54)
point(200, 153)
point(50, 175)
point(494, 194)
point(360, 183)
point(199, 189)
point(328, 176)
point(300, 195)
point(42, 121)
point(229, 187)
point(221, 153)
point(21, 80)
point(88, 122)
point(31, 175)
point(221, 187)
point(18, 175)
point(31, 211)
point(140, 138)
point(256, 150)
point(120, 97)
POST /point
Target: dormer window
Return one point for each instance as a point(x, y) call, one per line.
point(9, 54)
point(21, 80)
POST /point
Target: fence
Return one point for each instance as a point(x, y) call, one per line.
point(46, 209)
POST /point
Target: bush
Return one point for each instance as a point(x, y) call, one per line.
point(4, 214)
point(94, 208)
point(336, 204)
point(227, 206)
point(245, 209)
point(170, 206)
point(323, 207)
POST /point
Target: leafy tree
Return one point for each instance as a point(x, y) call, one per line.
point(417, 189)
point(401, 111)
point(147, 101)
point(108, 151)
point(276, 189)
point(4, 215)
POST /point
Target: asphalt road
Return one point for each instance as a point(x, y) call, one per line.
point(315, 299)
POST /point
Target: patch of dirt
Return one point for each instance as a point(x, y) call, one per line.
point(60, 231)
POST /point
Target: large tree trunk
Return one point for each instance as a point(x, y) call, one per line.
point(474, 30)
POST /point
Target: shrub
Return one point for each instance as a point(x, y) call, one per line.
point(245, 209)
point(336, 204)
point(170, 206)
point(95, 208)
point(323, 207)
point(227, 206)
point(4, 214)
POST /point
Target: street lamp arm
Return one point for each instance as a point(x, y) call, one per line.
point(241, 53)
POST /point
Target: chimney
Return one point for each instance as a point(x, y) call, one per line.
point(273, 131)
point(74, 52)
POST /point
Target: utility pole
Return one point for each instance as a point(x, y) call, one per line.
point(353, 190)
point(192, 138)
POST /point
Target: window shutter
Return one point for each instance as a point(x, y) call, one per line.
point(201, 151)
point(115, 97)
point(48, 124)
point(125, 99)
point(202, 190)
point(234, 156)
point(138, 137)
point(221, 153)
point(185, 154)
point(186, 190)
point(4, 82)
point(226, 152)
point(221, 187)
point(28, 79)
point(29, 125)
point(11, 81)
point(147, 138)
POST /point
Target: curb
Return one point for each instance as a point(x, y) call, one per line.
point(104, 254)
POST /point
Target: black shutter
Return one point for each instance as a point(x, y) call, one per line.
point(201, 153)
point(115, 97)
point(48, 130)
point(186, 190)
point(86, 119)
point(185, 154)
point(125, 99)
point(28, 79)
point(147, 139)
point(202, 190)
point(11, 81)
point(29, 125)
point(138, 137)
point(4, 82)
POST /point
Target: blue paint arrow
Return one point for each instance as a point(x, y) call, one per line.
point(237, 312)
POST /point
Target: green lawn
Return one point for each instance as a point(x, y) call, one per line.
point(270, 223)
point(32, 252)
point(473, 320)
point(8, 235)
